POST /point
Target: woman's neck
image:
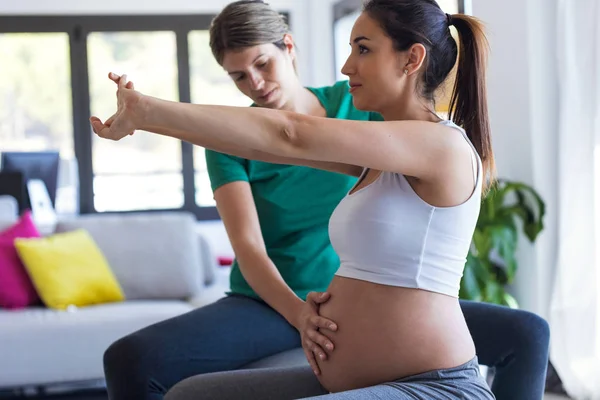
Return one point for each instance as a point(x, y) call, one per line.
point(411, 108)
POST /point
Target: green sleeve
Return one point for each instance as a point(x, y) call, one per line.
point(373, 116)
point(223, 169)
point(339, 100)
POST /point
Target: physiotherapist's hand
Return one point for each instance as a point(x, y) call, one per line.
point(126, 119)
point(314, 343)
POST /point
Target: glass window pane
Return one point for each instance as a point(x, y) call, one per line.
point(142, 171)
point(209, 84)
point(36, 103)
point(342, 29)
point(449, 6)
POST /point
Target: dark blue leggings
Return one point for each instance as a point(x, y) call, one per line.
point(237, 330)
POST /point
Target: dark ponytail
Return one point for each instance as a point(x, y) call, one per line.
point(468, 103)
point(408, 22)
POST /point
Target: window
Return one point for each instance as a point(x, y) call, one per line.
point(35, 100)
point(141, 172)
point(209, 84)
point(451, 6)
point(342, 28)
point(55, 78)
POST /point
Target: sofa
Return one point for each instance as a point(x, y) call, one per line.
point(164, 266)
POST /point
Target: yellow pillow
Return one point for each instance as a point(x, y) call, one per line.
point(69, 269)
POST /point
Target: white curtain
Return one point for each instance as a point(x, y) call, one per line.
point(575, 310)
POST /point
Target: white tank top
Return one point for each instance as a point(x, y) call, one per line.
point(386, 234)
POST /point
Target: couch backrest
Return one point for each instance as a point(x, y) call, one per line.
point(153, 255)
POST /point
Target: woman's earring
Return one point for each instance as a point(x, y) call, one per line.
point(405, 71)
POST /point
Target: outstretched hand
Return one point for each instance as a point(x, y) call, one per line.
point(123, 122)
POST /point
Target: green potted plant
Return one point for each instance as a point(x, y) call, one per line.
point(507, 209)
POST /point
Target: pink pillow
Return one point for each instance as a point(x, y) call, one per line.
point(16, 289)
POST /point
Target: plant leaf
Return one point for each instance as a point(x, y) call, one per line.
point(504, 242)
point(482, 241)
point(491, 261)
point(510, 301)
point(533, 209)
point(494, 292)
point(469, 285)
point(492, 202)
point(480, 268)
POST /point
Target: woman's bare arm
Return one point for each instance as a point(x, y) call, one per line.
point(238, 211)
point(425, 150)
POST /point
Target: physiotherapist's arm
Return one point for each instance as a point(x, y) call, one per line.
point(238, 211)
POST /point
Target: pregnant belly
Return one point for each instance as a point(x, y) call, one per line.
point(386, 333)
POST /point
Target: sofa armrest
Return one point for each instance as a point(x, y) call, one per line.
point(208, 259)
point(214, 236)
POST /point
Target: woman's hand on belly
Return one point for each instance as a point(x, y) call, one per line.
point(309, 323)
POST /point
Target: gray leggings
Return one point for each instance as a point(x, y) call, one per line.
point(463, 382)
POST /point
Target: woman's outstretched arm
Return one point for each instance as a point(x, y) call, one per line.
point(421, 149)
point(181, 120)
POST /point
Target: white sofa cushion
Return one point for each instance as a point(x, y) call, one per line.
point(41, 346)
point(9, 208)
point(153, 255)
point(6, 221)
point(208, 259)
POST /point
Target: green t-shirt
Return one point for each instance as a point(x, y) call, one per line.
point(294, 204)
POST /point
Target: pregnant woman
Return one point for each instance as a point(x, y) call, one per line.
point(403, 232)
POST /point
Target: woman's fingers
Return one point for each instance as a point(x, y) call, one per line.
point(109, 121)
point(323, 323)
point(123, 81)
point(117, 78)
point(99, 128)
point(316, 349)
point(318, 297)
point(322, 297)
point(114, 77)
point(104, 129)
point(119, 125)
point(97, 125)
point(315, 299)
point(322, 341)
point(312, 361)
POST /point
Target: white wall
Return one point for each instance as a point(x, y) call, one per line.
point(523, 101)
point(310, 21)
